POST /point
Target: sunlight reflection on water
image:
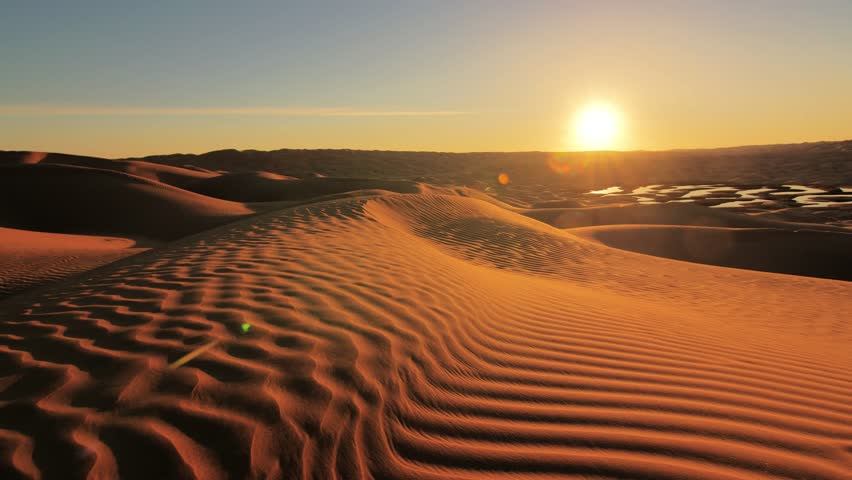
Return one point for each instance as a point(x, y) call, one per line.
point(802, 195)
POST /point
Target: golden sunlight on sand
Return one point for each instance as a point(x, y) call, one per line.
point(283, 315)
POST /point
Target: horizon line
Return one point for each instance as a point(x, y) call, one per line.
point(753, 145)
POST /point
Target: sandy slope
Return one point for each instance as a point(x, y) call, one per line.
point(661, 214)
point(29, 259)
point(173, 175)
point(91, 197)
point(797, 252)
point(424, 336)
point(148, 203)
point(73, 199)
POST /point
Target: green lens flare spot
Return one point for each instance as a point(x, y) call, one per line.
point(245, 327)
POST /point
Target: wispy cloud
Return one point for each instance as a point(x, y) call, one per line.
point(86, 110)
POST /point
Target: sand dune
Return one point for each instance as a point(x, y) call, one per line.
point(29, 259)
point(800, 252)
point(424, 336)
point(71, 199)
point(147, 202)
point(172, 175)
point(661, 214)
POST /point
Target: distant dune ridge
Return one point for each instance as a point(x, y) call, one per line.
point(406, 315)
point(808, 163)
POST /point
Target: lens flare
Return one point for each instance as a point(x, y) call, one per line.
point(558, 166)
point(503, 178)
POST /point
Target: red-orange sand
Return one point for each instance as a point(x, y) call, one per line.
point(423, 336)
point(33, 258)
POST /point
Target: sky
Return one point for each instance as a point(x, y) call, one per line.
point(120, 78)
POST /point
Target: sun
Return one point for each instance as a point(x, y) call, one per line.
point(596, 127)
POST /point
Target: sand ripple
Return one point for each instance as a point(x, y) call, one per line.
point(424, 336)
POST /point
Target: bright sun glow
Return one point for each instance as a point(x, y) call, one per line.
point(596, 127)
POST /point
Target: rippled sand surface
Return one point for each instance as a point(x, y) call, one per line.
point(424, 336)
